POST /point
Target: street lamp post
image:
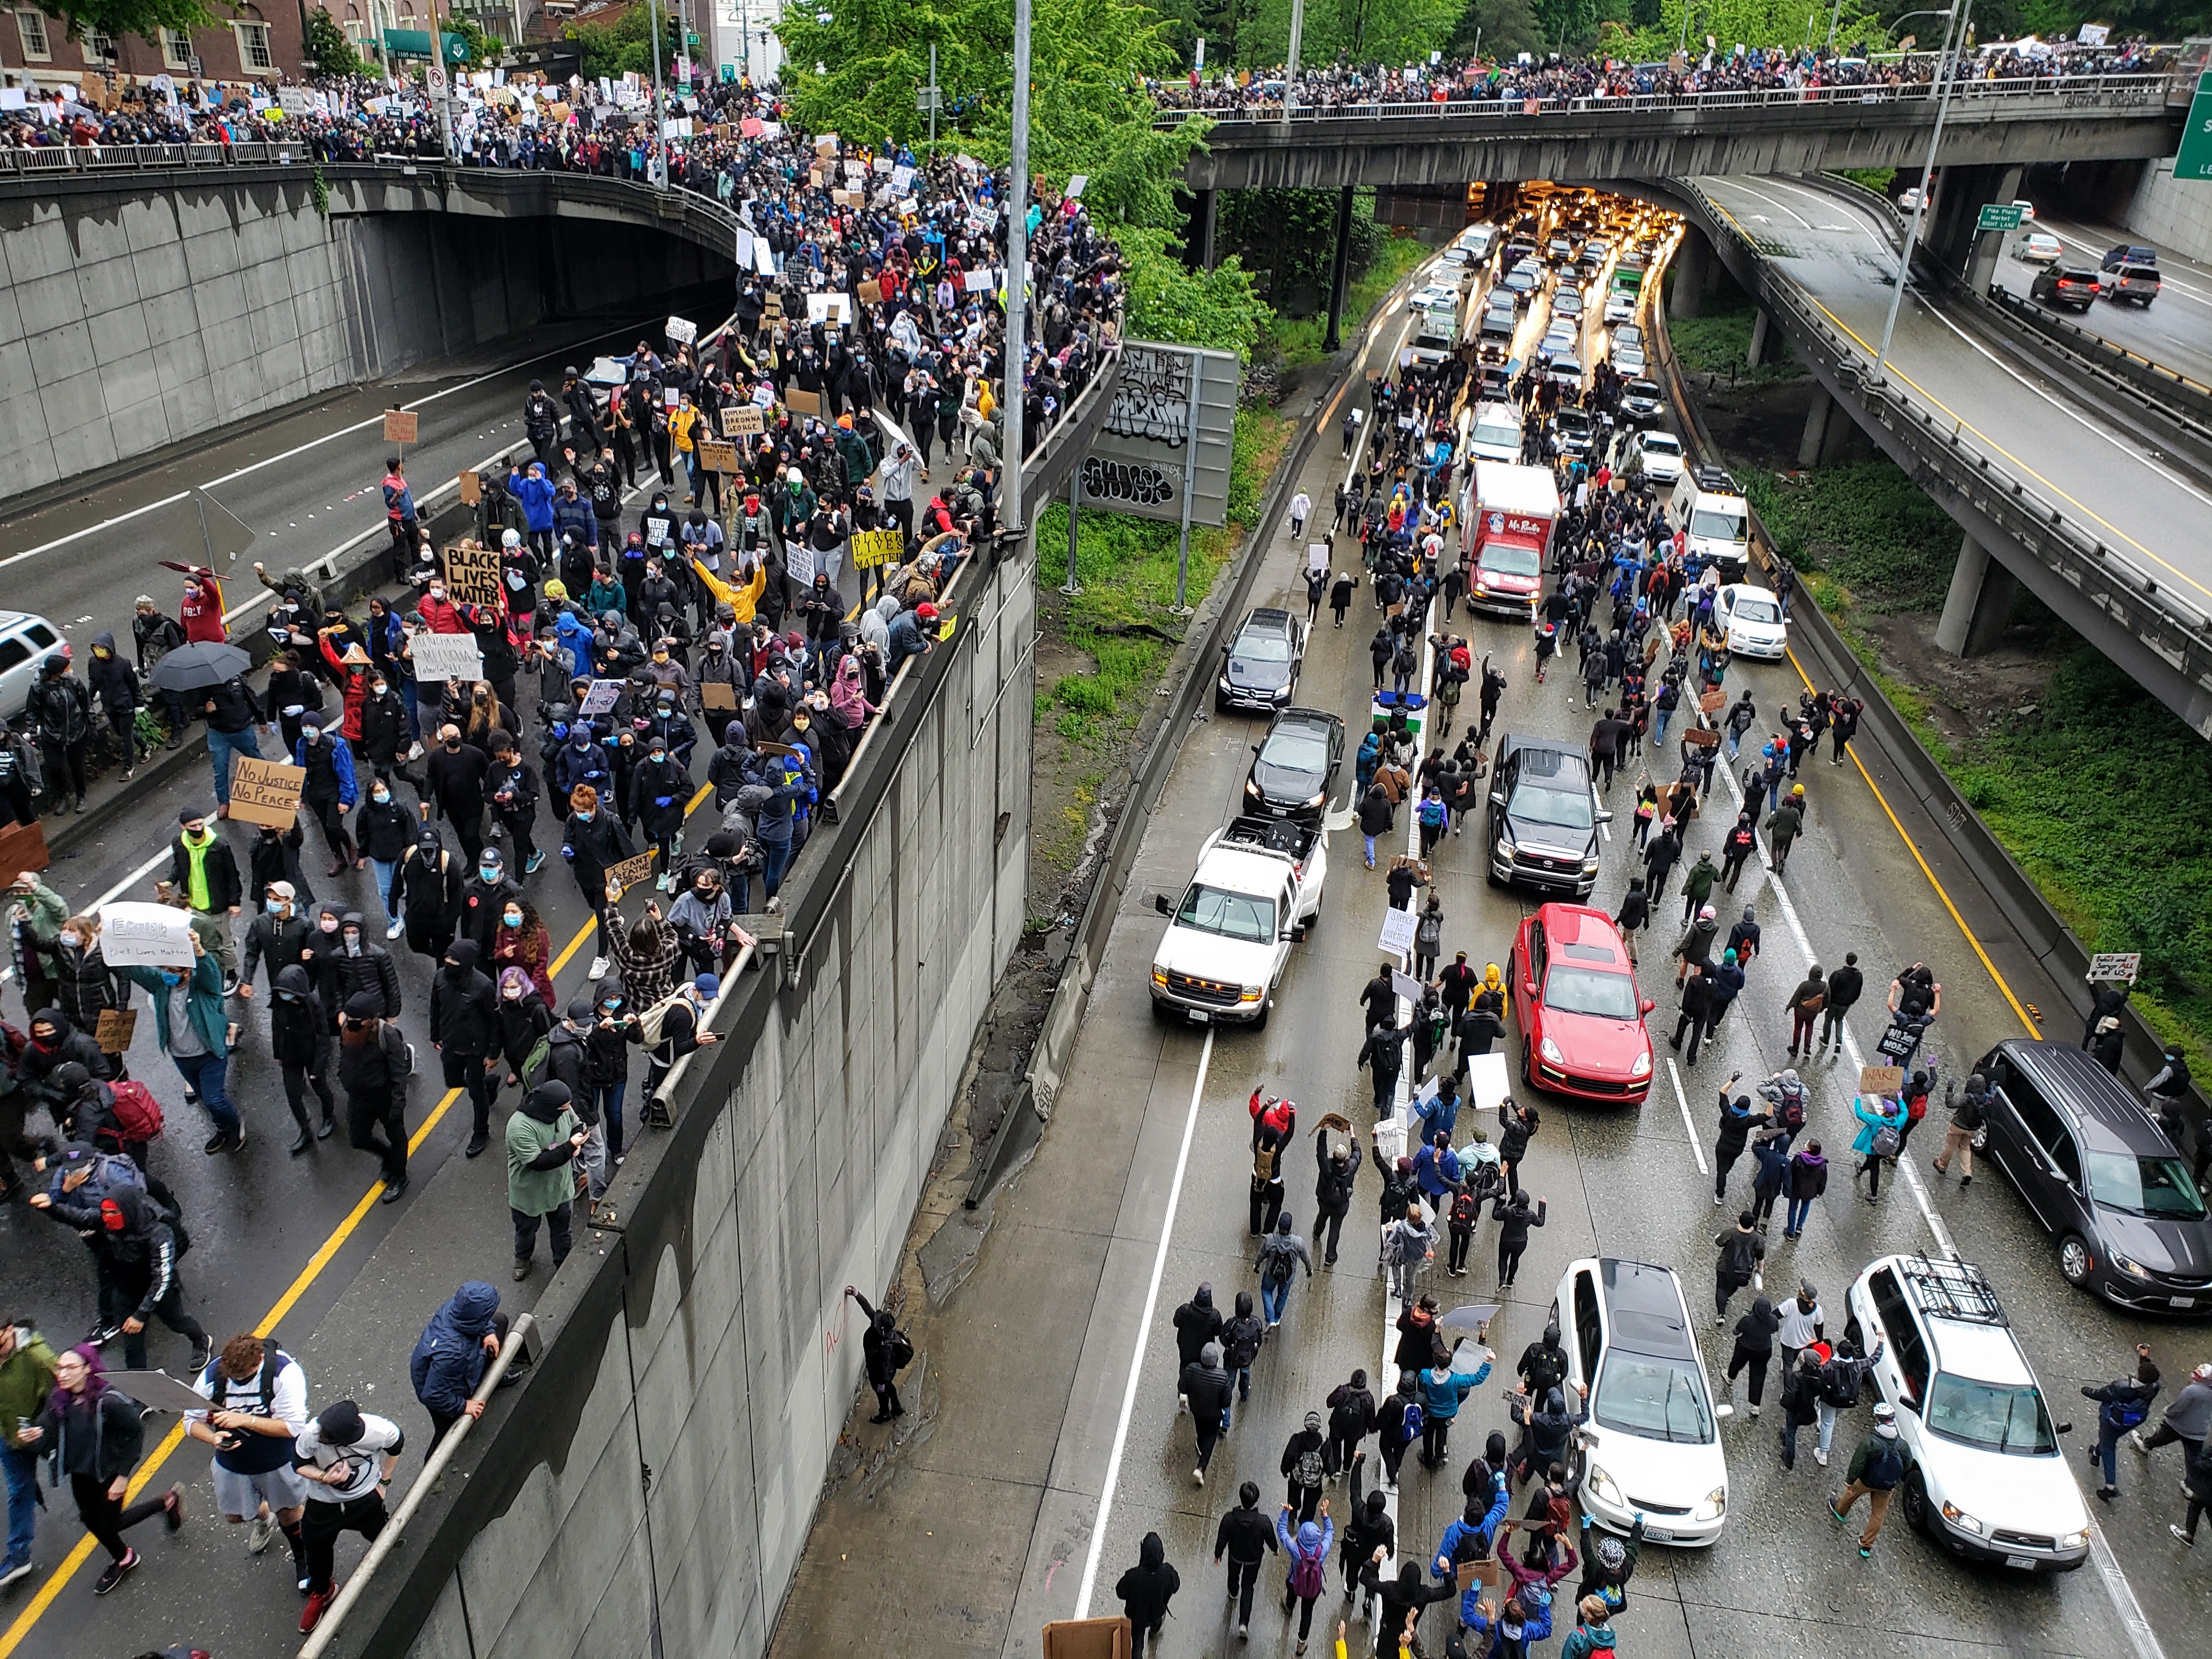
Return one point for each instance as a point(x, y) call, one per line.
point(658, 149)
point(1290, 74)
point(1018, 260)
point(1947, 66)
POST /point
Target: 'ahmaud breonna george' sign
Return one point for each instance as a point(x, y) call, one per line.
point(1136, 462)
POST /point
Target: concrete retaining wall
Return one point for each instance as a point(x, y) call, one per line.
point(135, 315)
point(2168, 214)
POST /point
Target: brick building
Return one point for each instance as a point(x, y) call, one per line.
point(263, 41)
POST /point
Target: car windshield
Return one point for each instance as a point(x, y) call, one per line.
point(1509, 561)
point(1752, 608)
point(1498, 437)
point(1628, 334)
point(1707, 524)
point(1586, 991)
point(2144, 1186)
point(1296, 749)
point(1232, 916)
point(1573, 421)
point(1534, 804)
point(1660, 443)
point(1659, 1399)
point(2000, 1416)
point(1263, 647)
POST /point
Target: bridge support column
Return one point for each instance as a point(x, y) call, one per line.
point(1757, 354)
point(1988, 244)
point(1691, 261)
point(1817, 420)
point(1339, 263)
point(1203, 214)
point(1978, 608)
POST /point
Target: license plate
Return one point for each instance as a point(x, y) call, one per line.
point(1198, 1016)
point(2026, 1563)
point(1658, 1534)
point(2181, 1301)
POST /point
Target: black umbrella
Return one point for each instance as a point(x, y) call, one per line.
point(198, 666)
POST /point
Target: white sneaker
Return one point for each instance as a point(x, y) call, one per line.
point(2136, 1442)
point(262, 1534)
point(598, 968)
point(395, 930)
point(1819, 1457)
point(1198, 1477)
point(1183, 1404)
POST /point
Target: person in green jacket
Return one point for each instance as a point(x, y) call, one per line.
point(1592, 1632)
point(1698, 886)
point(189, 1024)
point(543, 1139)
point(35, 915)
point(1784, 824)
point(26, 1378)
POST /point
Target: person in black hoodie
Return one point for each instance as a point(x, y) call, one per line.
point(1244, 1536)
point(1336, 1156)
point(299, 1039)
point(1515, 1216)
point(384, 830)
point(464, 1030)
point(1205, 1386)
point(136, 1247)
point(279, 936)
point(1241, 1338)
point(1369, 1525)
point(1755, 1347)
point(1145, 1590)
point(430, 885)
point(1350, 1419)
point(1306, 1465)
point(91, 1433)
point(115, 689)
point(1401, 1600)
point(1197, 1322)
point(485, 897)
point(1740, 1250)
point(373, 1064)
point(595, 843)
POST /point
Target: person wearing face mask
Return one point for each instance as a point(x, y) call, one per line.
point(356, 963)
point(115, 688)
point(456, 774)
point(299, 1041)
point(485, 895)
point(375, 1063)
point(705, 923)
point(280, 935)
point(386, 733)
point(204, 871)
point(329, 789)
point(581, 763)
point(568, 1062)
point(512, 785)
point(682, 1030)
point(85, 986)
point(594, 843)
point(523, 1021)
point(439, 613)
point(608, 1049)
point(274, 856)
point(189, 1024)
point(201, 611)
point(522, 941)
point(35, 915)
point(660, 791)
point(464, 1029)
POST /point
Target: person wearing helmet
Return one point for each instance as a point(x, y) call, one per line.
point(1608, 1562)
point(1877, 1469)
point(59, 707)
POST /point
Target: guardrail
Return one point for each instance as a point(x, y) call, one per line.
point(2170, 627)
point(2071, 92)
point(2170, 386)
point(128, 158)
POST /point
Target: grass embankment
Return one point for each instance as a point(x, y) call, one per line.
point(1297, 341)
point(2102, 794)
point(1718, 342)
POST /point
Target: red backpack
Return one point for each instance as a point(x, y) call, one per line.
point(137, 1113)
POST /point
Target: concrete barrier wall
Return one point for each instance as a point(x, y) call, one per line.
point(2167, 213)
point(137, 314)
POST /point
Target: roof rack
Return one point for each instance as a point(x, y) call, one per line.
point(1944, 1289)
point(1714, 479)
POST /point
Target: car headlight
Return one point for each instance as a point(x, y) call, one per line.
point(1712, 1506)
point(1252, 993)
point(1643, 1065)
point(1601, 1488)
point(1505, 846)
point(1589, 865)
point(1321, 799)
point(1251, 787)
point(1963, 1521)
point(1552, 1052)
point(2073, 1540)
point(2124, 1265)
point(1224, 683)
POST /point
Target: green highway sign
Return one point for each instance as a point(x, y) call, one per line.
point(2195, 160)
point(1998, 216)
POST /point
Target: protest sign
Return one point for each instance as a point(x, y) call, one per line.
point(144, 935)
point(1881, 1080)
point(717, 694)
point(441, 657)
point(742, 423)
point(601, 697)
point(631, 873)
point(266, 791)
point(682, 331)
point(1398, 928)
point(718, 457)
point(471, 573)
point(872, 548)
point(802, 403)
point(399, 426)
point(116, 1028)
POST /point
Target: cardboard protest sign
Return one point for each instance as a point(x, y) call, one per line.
point(718, 457)
point(802, 403)
point(631, 873)
point(1881, 1080)
point(717, 694)
point(472, 488)
point(742, 423)
point(1713, 701)
point(602, 697)
point(827, 308)
point(23, 847)
point(870, 292)
point(399, 426)
point(116, 1028)
point(146, 935)
point(471, 573)
point(441, 657)
point(872, 548)
point(266, 791)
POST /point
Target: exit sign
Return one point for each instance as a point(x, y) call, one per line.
point(2195, 160)
point(1998, 216)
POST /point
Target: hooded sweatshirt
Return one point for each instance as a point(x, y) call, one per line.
point(538, 1151)
point(449, 1357)
point(1197, 1322)
point(1147, 1588)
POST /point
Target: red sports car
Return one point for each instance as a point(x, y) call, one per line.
point(1582, 1015)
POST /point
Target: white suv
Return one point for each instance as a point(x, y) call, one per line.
point(1986, 1474)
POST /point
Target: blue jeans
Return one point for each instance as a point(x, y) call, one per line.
point(1243, 1376)
point(1735, 738)
point(1800, 1210)
point(407, 694)
point(1660, 717)
point(203, 1075)
point(774, 856)
point(1370, 840)
point(610, 1105)
point(222, 745)
point(21, 1469)
point(384, 875)
point(1273, 1293)
point(2108, 1442)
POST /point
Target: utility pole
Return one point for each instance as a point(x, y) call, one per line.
point(1291, 75)
point(1018, 262)
point(1955, 42)
point(659, 148)
point(437, 83)
point(1833, 16)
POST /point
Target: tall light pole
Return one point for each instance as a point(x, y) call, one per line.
point(659, 150)
point(1954, 41)
point(1290, 74)
point(1017, 260)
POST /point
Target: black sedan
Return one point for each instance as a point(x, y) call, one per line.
point(1260, 664)
point(1294, 765)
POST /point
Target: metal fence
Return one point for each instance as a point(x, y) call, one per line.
point(127, 158)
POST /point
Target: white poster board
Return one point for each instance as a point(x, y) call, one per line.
point(145, 936)
point(1398, 929)
point(439, 657)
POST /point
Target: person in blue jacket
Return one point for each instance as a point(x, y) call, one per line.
point(531, 489)
point(1470, 1538)
point(1307, 1551)
point(1441, 1389)
point(450, 1355)
point(1874, 1116)
point(329, 790)
point(1436, 1167)
point(2121, 1406)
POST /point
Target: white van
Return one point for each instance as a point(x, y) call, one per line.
point(26, 642)
point(1497, 433)
point(1709, 508)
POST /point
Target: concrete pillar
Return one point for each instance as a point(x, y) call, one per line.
point(1204, 213)
point(1757, 354)
point(1989, 244)
point(1817, 420)
point(1691, 277)
point(1978, 608)
point(1338, 264)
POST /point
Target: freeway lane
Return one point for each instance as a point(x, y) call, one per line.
point(2101, 476)
point(2175, 331)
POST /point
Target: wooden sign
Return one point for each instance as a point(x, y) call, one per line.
point(630, 872)
point(471, 573)
point(266, 791)
point(472, 488)
point(872, 548)
point(744, 422)
point(1713, 701)
point(23, 847)
point(772, 308)
point(116, 1028)
point(1881, 1080)
point(717, 694)
point(801, 402)
point(399, 426)
point(718, 457)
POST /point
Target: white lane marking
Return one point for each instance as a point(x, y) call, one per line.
point(1682, 1100)
point(1144, 1337)
point(1772, 203)
point(375, 420)
point(1856, 212)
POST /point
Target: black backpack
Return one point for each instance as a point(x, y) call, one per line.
point(901, 1350)
point(1885, 1467)
point(1840, 1384)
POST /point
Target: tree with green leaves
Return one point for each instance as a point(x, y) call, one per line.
point(117, 18)
point(328, 49)
point(623, 46)
point(1502, 28)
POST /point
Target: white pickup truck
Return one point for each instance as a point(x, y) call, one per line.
point(1256, 891)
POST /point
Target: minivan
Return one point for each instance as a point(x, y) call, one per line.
point(26, 642)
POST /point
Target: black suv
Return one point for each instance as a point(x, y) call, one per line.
point(2101, 1176)
point(2071, 288)
point(1544, 817)
point(1294, 765)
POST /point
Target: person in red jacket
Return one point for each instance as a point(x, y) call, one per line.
point(352, 669)
point(201, 613)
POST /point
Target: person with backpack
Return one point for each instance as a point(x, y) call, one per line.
point(672, 1028)
point(1409, 1245)
point(1841, 1379)
point(1741, 1249)
point(1877, 1469)
point(119, 1118)
point(1280, 1254)
point(1350, 1421)
point(1244, 1537)
point(347, 1456)
point(27, 1379)
point(1461, 1217)
point(1799, 1395)
point(1969, 1121)
point(1307, 1552)
point(2122, 1406)
point(375, 1063)
point(1337, 1160)
point(1879, 1139)
point(1470, 1538)
point(1206, 1388)
point(1592, 1637)
point(1242, 1338)
point(1145, 1590)
point(1514, 1216)
point(93, 1434)
point(1306, 1465)
point(258, 1396)
point(1399, 1422)
point(885, 1351)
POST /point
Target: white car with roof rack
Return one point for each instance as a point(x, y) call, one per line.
point(1985, 1473)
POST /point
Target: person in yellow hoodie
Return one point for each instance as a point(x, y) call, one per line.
point(683, 432)
point(742, 601)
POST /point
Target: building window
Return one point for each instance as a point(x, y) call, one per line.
point(99, 48)
point(176, 50)
point(31, 29)
point(253, 54)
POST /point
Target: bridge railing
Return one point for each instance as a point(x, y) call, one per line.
point(2135, 91)
point(1941, 449)
point(138, 158)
